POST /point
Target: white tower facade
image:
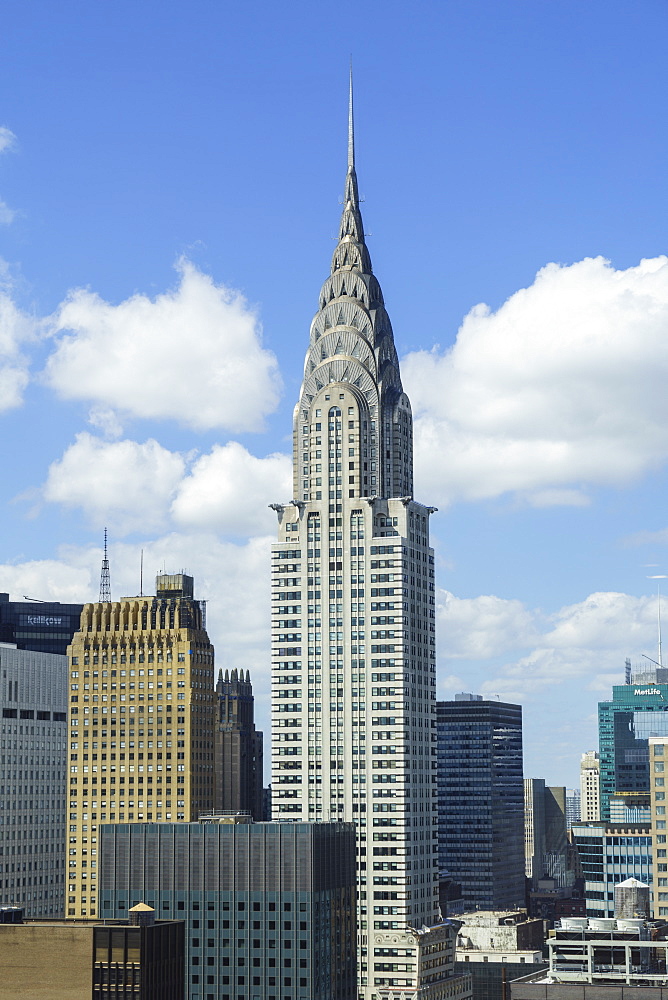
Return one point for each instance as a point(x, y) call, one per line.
point(353, 622)
point(590, 778)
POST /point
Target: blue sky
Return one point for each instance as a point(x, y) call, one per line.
point(170, 178)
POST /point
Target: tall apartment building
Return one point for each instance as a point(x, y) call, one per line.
point(141, 714)
point(238, 747)
point(353, 621)
point(269, 907)
point(33, 762)
point(590, 799)
point(481, 800)
point(45, 626)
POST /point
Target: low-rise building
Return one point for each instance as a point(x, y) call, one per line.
point(601, 959)
point(497, 946)
point(608, 854)
point(86, 960)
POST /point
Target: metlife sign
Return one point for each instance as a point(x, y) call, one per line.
point(642, 691)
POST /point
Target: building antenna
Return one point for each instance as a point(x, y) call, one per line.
point(105, 579)
point(658, 576)
point(141, 574)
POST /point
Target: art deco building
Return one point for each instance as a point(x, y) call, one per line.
point(353, 658)
point(142, 713)
point(238, 747)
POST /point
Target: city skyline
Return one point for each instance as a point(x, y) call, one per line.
point(482, 164)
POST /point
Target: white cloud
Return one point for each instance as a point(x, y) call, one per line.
point(482, 627)
point(193, 355)
point(229, 490)
point(131, 486)
point(7, 140)
point(583, 644)
point(7, 214)
point(47, 580)
point(561, 388)
point(233, 579)
point(124, 484)
point(16, 330)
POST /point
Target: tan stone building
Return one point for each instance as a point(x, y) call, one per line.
point(658, 771)
point(85, 960)
point(141, 722)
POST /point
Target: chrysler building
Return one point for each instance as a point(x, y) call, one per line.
point(353, 629)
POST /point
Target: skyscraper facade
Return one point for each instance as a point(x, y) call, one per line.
point(481, 800)
point(637, 711)
point(590, 799)
point(45, 626)
point(33, 762)
point(572, 807)
point(238, 746)
point(141, 714)
point(270, 907)
point(353, 657)
point(545, 844)
point(658, 763)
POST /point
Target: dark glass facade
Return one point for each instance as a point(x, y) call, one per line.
point(145, 963)
point(46, 627)
point(481, 801)
point(636, 712)
point(269, 907)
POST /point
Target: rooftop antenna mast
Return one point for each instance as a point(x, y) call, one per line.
point(658, 576)
point(105, 579)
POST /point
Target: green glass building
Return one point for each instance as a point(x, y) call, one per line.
point(636, 712)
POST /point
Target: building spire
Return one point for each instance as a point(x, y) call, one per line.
point(351, 122)
point(105, 579)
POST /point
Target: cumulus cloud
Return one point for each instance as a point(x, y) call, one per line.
point(123, 483)
point(47, 580)
point(582, 644)
point(229, 490)
point(7, 143)
point(17, 329)
point(559, 389)
point(232, 578)
point(132, 486)
point(193, 355)
point(7, 140)
point(482, 627)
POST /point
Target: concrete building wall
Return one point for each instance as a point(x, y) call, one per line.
point(33, 762)
point(46, 961)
